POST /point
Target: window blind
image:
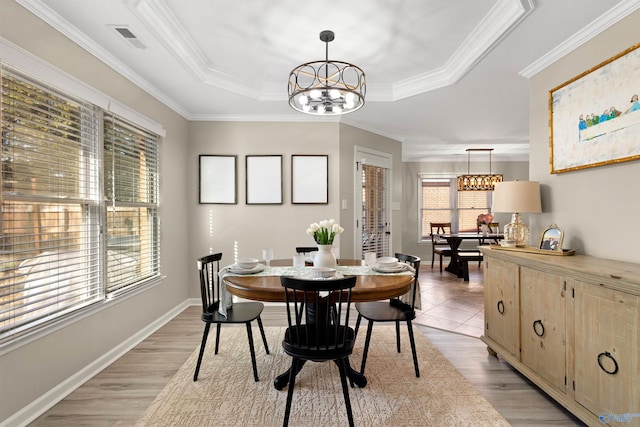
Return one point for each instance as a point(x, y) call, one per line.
point(131, 185)
point(374, 213)
point(49, 238)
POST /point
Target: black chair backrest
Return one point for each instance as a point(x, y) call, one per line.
point(209, 266)
point(414, 262)
point(306, 249)
point(318, 313)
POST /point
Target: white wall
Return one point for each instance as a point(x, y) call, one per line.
point(597, 207)
point(30, 371)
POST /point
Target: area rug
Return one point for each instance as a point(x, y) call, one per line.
point(226, 394)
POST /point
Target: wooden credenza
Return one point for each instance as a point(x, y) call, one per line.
point(571, 324)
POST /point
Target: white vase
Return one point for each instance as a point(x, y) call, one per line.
point(324, 257)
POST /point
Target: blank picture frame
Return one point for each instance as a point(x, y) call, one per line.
point(310, 179)
point(217, 179)
point(264, 179)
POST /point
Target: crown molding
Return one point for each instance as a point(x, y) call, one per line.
point(597, 26)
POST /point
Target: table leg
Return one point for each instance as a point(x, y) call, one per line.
point(354, 376)
point(454, 264)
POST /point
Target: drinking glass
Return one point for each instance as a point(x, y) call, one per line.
point(267, 255)
point(370, 258)
point(298, 262)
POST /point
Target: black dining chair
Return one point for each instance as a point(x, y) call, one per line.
point(241, 312)
point(439, 246)
point(394, 310)
point(318, 331)
point(306, 249)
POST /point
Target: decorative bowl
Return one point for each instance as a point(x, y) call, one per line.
point(387, 261)
point(247, 263)
point(323, 272)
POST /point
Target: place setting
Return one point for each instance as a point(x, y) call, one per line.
point(388, 265)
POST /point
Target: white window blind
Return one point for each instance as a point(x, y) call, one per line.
point(375, 221)
point(49, 236)
point(131, 190)
point(80, 204)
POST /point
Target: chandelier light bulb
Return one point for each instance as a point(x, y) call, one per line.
point(334, 93)
point(303, 100)
point(321, 109)
point(315, 94)
point(337, 109)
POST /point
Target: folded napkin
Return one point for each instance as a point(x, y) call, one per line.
point(226, 299)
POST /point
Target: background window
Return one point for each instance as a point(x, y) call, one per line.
point(440, 201)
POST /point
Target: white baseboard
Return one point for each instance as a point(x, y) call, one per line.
point(42, 404)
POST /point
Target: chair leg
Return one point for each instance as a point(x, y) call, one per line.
point(355, 333)
point(366, 347)
point(413, 348)
point(292, 380)
point(202, 346)
point(264, 337)
point(342, 366)
point(433, 258)
point(253, 352)
point(398, 335)
point(440, 263)
point(218, 325)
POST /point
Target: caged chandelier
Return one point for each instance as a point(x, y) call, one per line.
point(327, 87)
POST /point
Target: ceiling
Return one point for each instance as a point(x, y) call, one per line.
point(442, 76)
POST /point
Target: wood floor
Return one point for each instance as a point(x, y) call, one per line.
point(118, 395)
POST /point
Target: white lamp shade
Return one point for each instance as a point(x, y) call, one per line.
point(517, 196)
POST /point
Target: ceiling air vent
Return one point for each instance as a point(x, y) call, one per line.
point(129, 36)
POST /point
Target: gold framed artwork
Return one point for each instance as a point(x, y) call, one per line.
point(551, 239)
point(594, 118)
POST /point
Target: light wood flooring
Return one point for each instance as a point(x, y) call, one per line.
point(118, 395)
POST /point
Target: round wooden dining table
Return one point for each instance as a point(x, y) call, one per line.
point(368, 288)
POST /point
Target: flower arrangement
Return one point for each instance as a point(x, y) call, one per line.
point(325, 231)
point(485, 219)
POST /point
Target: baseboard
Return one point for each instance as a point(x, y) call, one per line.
point(45, 402)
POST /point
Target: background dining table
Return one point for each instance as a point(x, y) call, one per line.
point(455, 240)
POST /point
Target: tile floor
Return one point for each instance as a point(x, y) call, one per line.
point(449, 303)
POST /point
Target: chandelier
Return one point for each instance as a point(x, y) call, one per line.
point(483, 182)
point(326, 87)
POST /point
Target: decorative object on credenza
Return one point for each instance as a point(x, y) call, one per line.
point(309, 179)
point(478, 182)
point(517, 197)
point(264, 180)
point(217, 179)
point(551, 239)
point(594, 117)
point(327, 88)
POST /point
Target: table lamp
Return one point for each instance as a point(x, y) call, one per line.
point(517, 197)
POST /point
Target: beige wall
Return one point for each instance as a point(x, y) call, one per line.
point(281, 227)
point(598, 207)
point(410, 197)
point(35, 368)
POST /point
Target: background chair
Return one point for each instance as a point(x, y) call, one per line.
point(318, 318)
point(494, 227)
point(393, 310)
point(439, 246)
point(241, 312)
point(306, 249)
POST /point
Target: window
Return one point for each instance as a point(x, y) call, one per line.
point(440, 201)
point(60, 182)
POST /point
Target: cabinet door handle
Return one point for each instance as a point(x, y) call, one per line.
point(537, 325)
point(608, 355)
point(501, 307)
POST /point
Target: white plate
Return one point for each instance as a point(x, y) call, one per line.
point(236, 269)
point(389, 269)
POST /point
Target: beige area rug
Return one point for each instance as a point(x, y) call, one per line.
point(226, 395)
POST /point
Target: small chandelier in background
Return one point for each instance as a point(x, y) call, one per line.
point(327, 87)
point(483, 182)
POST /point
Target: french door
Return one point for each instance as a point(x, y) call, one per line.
point(373, 202)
